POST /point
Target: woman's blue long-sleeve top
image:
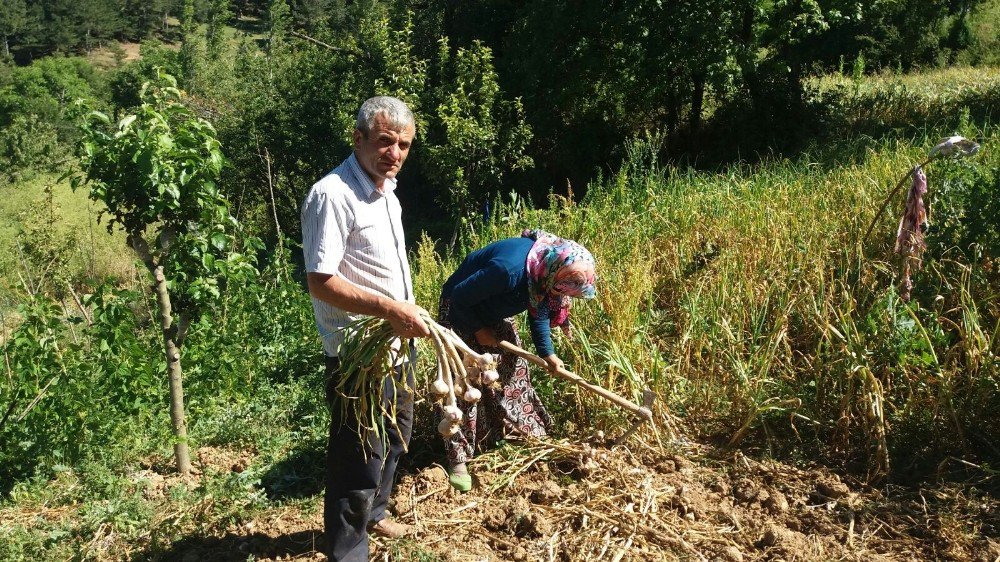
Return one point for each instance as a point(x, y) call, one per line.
point(492, 284)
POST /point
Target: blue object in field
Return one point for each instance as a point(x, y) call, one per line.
point(486, 212)
point(490, 285)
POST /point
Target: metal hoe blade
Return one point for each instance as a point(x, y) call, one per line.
point(646, 415)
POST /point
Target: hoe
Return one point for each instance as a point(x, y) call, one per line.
point(643, 413)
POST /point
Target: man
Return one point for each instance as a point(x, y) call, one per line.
point(356, 264)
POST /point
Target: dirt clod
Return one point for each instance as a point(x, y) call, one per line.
point(730, 554)
point(773, 536)
point(547, 493)
point(682, 463)
point(430, 478)
point(666, 466)
point(719, 487)
point(776, 502)
point(534, 524)
point(762, 496)
point(745, 490)
point(749, 510)
point(495, 518)
point(833, 489)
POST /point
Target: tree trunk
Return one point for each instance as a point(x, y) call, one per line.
point(672, 111)
point(795, 89)
point(697, 102)
point(745, 55)
point(6, 47)
point(173, 355)
point(790, 55)
point(454, 235)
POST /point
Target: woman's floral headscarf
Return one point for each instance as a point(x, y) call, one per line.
point(557, 270)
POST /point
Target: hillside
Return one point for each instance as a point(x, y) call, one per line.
point(734, 295)
point(739, 172)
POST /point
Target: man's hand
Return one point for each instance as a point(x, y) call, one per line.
point(554, 362)
point(406, 320)
point(487, 337)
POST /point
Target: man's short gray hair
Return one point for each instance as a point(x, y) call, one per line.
point(398, 114)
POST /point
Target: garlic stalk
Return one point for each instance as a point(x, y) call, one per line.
point(445, 367)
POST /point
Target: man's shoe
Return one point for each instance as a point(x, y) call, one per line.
point(390, 529)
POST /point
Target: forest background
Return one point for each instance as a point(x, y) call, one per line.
point(721, 159)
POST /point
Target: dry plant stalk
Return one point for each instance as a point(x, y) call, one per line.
point(910, 241)
point(909, 236)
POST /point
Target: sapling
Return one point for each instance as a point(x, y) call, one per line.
point(156, 173)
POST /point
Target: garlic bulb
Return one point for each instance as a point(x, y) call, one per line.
point(490, 377)
point(452, 413)
point(472, 395)
point(439, 388)
point(447, 428)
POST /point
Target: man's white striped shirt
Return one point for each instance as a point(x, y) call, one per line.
point(353, 230)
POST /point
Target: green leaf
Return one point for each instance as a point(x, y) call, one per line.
point(219, 240)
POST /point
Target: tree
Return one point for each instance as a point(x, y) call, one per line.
point(143, 17)
point(216, 17)
point(191, 46)
point(280, 23)
point(312, 15)
point(60, 25)
point(691, 43)
point(475, 137)
point(156, 172)
point(298, 105)
point(13, 20)
point(97, 20)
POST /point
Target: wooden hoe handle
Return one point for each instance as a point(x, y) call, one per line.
point(640, 411)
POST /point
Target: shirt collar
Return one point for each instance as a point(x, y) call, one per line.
point(366, 182)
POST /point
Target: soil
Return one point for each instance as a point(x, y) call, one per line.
point(568, 501)
point(105, 57)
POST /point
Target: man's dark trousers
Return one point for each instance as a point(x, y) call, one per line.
point(359, 476)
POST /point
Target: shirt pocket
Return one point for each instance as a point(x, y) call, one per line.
point(367, 233)
point(369, 244)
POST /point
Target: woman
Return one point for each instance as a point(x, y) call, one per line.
point(537, 272)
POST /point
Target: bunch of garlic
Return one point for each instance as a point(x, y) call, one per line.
point(461, 372)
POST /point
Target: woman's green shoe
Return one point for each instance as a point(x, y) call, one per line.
point(461, 482)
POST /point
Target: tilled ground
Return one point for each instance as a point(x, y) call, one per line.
point(570, 501)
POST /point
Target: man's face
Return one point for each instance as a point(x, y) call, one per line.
point(382, 153)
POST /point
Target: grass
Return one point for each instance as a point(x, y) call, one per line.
point(748, 298)
point(985, 20)
point(920, 104)
point(937, 82)
point(69, 218)
point(119, 505)
point(114, 54)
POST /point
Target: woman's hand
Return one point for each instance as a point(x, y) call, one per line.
point(487, 337)
point(554, 362)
